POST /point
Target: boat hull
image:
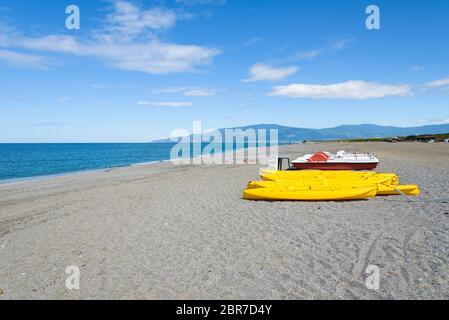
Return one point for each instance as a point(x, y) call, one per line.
point(333, 166)
point(382, 190)
point(278, 194)
point(378, 179)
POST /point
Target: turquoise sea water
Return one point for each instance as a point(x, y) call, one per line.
point(34, 160)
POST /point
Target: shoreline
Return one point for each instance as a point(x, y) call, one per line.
point(87, 171)
point(75, 173)
point(137, 164)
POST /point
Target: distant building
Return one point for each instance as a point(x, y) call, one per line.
point(428, 139)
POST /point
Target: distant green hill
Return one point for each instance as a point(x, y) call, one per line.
point(344, 132)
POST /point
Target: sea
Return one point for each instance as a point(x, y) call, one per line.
point(31, 160)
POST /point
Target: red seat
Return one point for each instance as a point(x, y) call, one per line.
point(319, 157)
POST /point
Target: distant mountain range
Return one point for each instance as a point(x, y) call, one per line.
point(291, 134)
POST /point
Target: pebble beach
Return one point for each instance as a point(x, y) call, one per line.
point(161, 231)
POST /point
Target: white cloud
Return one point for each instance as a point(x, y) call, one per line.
point(417, 68)
point(438, 83)
point(253, 41)
point(171, 90)
point(334, 46)
point(97, 86)
point(200, 92)
point(264, 72)
point(127, 41)
point(311, 54)
point(201, 2)
point(341, 44)
point(56, 43)
point(24, 59)
point(164, 104)
point(13, 98)
point(150, 57)
point(129, 20)
point(187, 91)
point(434, 121)
point(154, 57)
point(354, 89)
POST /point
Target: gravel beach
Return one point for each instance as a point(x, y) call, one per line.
point(161, 231)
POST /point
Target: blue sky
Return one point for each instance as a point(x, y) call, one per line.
point(136, 70)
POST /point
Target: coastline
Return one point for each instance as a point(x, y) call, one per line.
point(74, 173)
point(164, 231)
point(87, 171)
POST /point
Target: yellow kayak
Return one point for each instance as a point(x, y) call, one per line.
point(307, 184)
point(388, 179)
point(310, 194)
point(411, 190)
point(308, 173)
